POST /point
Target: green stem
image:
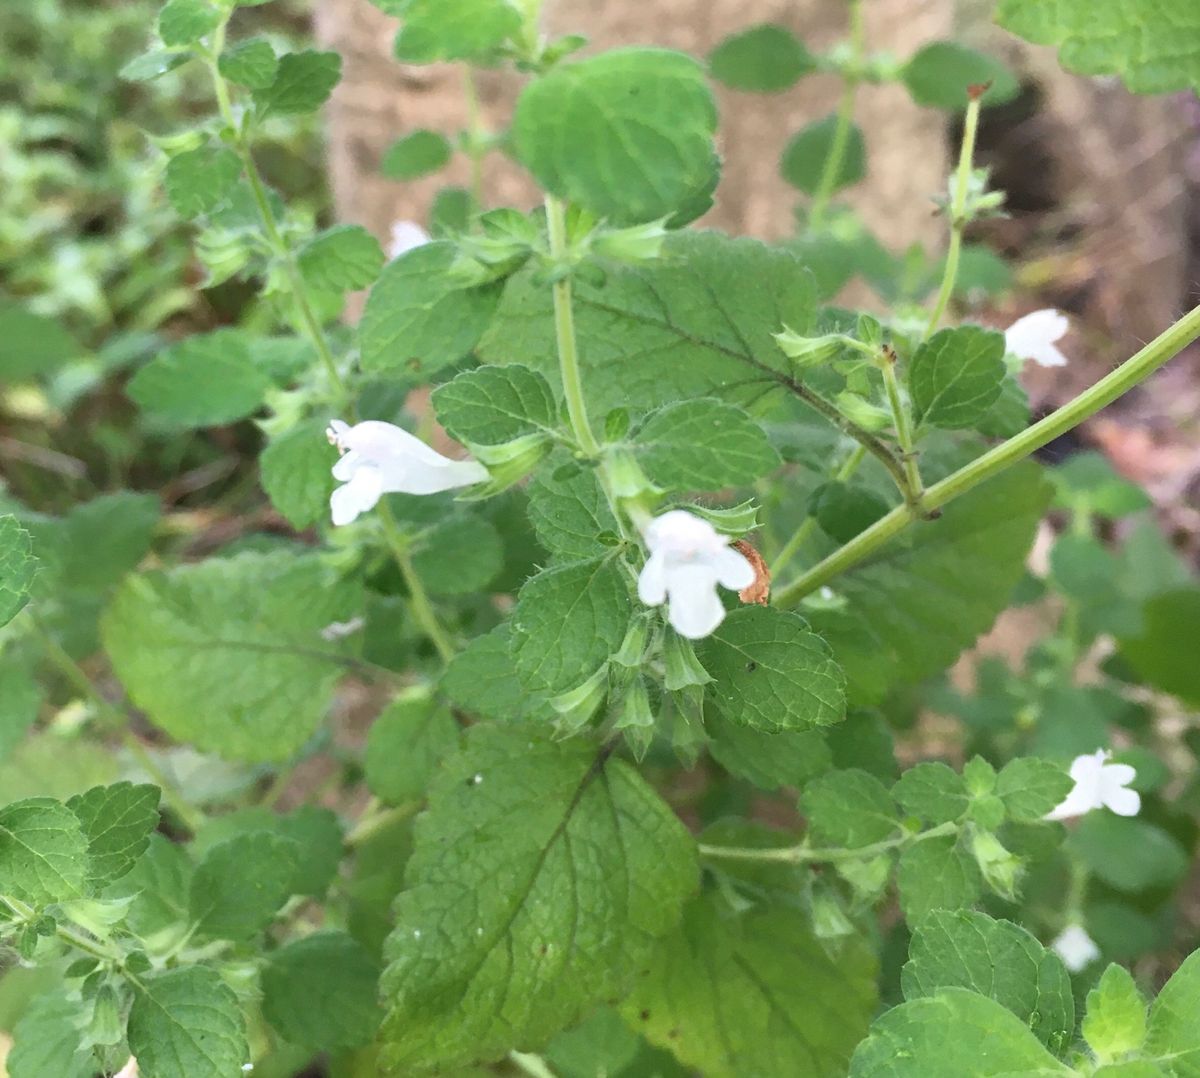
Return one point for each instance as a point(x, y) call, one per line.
point(474, 142)
point(802, 854)
point(797, 541)
point(1134, 370)
point(68, 935)
point(564, 327)
point(375, 818)
point(958, 211)
point(844, 123)
point(418, 598)
point(904, 430)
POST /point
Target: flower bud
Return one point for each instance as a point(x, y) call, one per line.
point(576, 706)
point(862, 412)
point(736, 520)
point(642, 243)
point(1000, 868)
point(508, 463)
point(683, 668)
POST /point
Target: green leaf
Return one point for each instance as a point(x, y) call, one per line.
point(227, 654)
point(341, 259)
point(117, 822)
point(804, 157)
point(187, 1023)
point(295, 471)
point(482, 680)
point(303, 82)
point(949, 1035)
point(600, 1044)
point(569, 512)
point(405, 746)
point(956, 376)
point(703, 445)
point(43, 852)
point(568, 621)
point(772, 672)
point(158, 884)
point(940, 74)
point(419, 317)
point(240, 885)
point(203, 381)
point(517, 941)
point(454, 29)
point(1089, 481)
point(494, 405)
point(416, 154)
point(459, 556)
point(1030, 787)
point(936, 873)
point(1115, 1023)
point(320, 992)
point(997, 959)
point(844, 510)
point(20, 701)
point(932, 792)
point(251, 63)
point(697, 322)
point(319, 836)
point(47, 1041)
point(769, 760)
point(18, 567)
point(764, 59)
point(183, 22)
point(754, 994)
point(627, 134)
point(849, 809)
point(1154, 49)
point(32, 344)
point(1127, 853)
point(1162, 655)
point(1174, 1035)
point(198, 180)
point(154, 64)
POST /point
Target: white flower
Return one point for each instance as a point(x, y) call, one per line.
point(688, 559)
point(1034, 336)
point(379, 458)
point(406, 236)
point(1076, 948)
point(1099, 784)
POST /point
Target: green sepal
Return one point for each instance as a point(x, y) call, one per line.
point(684, 670)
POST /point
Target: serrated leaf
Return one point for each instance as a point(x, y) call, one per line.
point(1115, 1023)
point(1030, 787)
point(769, 760)
point(940, 74)
point(804, 157)
point(454, 29)
point(18, 567)
point(240, 884)
point(43, 852)
point(482, 680)
point(459, 556)
point(203, 381)
point(198, 180)
point(416, 154)
point(494, 405)
point(755, 994)
point(569, 512)
point(183, 22)
point(764, 59)
point(319, 835)
point(515, 942)
point(187, 1023)
point(320, 992)
point(158, 884)
point(934, 874)
point(951, 1034)
point(153, 64)
point(1173, 1034)
point(295, 472)
point(419, 317)
point(405, 746)
point(251, 63)
point(47, 1041)
point(697, 322)
point(772, 672)
point(568, 621)
point(341, 259)
point(302, 83)
point(849, 809)
point(956, 376)
point(627, 134)
point(228, 654)
point(703, 445)
point(117, 822)
point(932, 791)
point(997, 959)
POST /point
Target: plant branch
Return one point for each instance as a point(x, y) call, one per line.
point(904, 430)
point(844, 123)
point(68, 935)
point(418, 597)
point(804, 854)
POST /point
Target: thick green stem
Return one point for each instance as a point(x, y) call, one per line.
point(844, 123)
point(958, 211)
point(418, 598)
point(1158, 352)
point(904, 431)
point(797, 541)
point(802, 854)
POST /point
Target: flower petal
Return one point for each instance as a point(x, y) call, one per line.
point(733, 569)
point(652, 580)
point(347, 464)
point(417, 477)
point(406, 236)
point(359, 495)
point(377, 441)
point(1076, 948)
point(695, 609)
point(1123, 801)
point(1033, 337)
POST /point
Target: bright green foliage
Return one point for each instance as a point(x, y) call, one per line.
point(482, 680)
point(31, 344)
point(494, 405)
point(295, 471)
point(804, 157)
point(303, 81)
point(769, 760)
point(416, 154)
point(340, 259)
point(1030, 787)
point(198, 180)
point(543, 920)
point(850, 809)
point(225, 901)
point(754, 994)
point(117, 822)
point(43, 851)
point(20, 699)
point(459, 556)
point(183, 22)
point(937, 873)
point(764, 59)
point(940, 74)
point(569, 512)
point(18, 567)
point(420, 316)
point(46, 1041)
point(1128, 853)
point(955, 377)
point(320, 992)
point(203, 381)
point(933, 792)
point(187, 1023)
point(627, 134)
point(1173, 1034)
point(951, 1034)
point(1162, 654)
point(1116, 1015)
point(703, 445)
point(601, 1041)
point(568, 621)
point(406, 744)
point(997, 959)
point(251, 63)
point(772, 672)
point(454, 29)
point(1155, 47)
point(159, 880)
point(228, 654)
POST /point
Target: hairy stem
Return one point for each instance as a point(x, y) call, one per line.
point(418, 598)
point(68, 935)
point(904, 430)
point(804, 854)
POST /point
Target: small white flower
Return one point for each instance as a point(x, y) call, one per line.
point(1076, 948)
point(1099, 784)
point(406, 236)
point(688, 559)
point(1034, 336)
point(379, 458)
